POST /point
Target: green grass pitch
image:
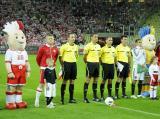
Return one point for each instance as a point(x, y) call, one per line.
point(126, 108)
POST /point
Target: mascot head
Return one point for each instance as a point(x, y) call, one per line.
point(16, 39)
point(148, 38)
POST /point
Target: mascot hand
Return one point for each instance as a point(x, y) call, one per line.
point(11, 75)
point(28, 74)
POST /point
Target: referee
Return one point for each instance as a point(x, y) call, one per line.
point(68, 57)
point(107, 62)
point(123, 54)
point(91, 58)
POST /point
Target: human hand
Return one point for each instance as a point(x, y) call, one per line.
point(28, 74)
point(11, 75)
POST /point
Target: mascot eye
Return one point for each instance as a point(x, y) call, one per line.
point(149, 40)
point(22, 37)
point(16, 37)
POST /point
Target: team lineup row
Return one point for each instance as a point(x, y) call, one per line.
point(18, 67)
point(110, 58)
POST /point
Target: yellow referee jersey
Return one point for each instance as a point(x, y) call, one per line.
point(92, 51)
point(123, 53)
point(149, 55)
point(69, 53)
point(108, 55)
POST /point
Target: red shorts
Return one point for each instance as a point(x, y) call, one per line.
point(42, 76)
point(156, 82)
point(20, 75)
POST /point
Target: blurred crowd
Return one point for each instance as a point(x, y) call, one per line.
point(62, 16)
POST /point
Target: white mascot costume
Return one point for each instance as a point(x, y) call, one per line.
point(148, 43)
point(17, 65)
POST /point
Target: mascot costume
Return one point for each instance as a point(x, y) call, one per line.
point(148, 43)
point(17, 65)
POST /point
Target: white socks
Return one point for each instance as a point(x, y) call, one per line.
point(10, 97)
point(18, 97)
point(38, 94)
point(153, 91)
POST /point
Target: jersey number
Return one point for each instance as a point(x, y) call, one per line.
point(20, 57)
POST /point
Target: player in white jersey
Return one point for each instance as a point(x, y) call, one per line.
point(139, 66)
point(154, 73)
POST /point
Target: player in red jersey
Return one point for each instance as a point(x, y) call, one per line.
point(49, 50)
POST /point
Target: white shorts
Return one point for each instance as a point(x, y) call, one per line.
point(137, 76)
point(50, 90)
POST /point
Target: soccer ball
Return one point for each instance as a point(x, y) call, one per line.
point(145, 94)
point(109, 101)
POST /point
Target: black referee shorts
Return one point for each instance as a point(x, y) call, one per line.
point(92, 69)
point(69, 70)
point(107, 71)
point(125, 71)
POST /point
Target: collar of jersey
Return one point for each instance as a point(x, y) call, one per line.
point(70, 45)
point(123, 45)
point(48, 45)
point(93, 44)
point(107, 46)
point(51, 68)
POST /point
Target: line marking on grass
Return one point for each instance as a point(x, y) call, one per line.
point(130, 109)
point(139, 111)
point(125, 108)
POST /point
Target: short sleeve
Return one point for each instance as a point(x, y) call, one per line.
point(26, 56)
point(8, 56)
point(86, 49)
point(101, 52)
point(77, 55)
point(129, 51)
point(61, 50)
point(57, 53)
point(150, 71)
point(77, 48)
point(116, 51)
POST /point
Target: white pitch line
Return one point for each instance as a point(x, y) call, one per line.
point(129, 109)
point(139, 111)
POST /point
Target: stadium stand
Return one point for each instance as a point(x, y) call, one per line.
point(80, 16)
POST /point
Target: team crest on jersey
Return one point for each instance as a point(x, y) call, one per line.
point(54, 51)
